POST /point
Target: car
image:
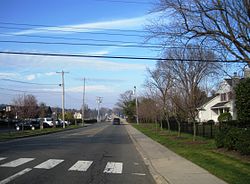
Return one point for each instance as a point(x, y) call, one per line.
point(116, 121)
point(29, 124)
point(47, 122)
point(59, 123)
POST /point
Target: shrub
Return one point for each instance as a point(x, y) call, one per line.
point(210, 122)
point(226, 116)
point(220, 136)
point(243, 143)
point(243, 100)
point(231, 138)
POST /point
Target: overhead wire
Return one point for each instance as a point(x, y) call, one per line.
point(22, 91)
point(80, 32)
point(23, 82)
point(117, 57)
point(126, 2)
point(72, 27)
point(72, 38)
point(81, 44)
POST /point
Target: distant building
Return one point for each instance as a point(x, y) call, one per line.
point(77, 115)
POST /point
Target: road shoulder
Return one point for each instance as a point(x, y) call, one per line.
point(166, 166)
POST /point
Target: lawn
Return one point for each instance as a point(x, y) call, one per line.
point(27, 133)
point(203, 152)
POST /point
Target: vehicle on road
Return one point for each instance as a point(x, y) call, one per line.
point(30, 124)
point(116, 121)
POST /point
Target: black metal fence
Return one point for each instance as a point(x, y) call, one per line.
point(205, 130)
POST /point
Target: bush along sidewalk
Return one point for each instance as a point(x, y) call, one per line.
point(232, 137)
point(203, 152)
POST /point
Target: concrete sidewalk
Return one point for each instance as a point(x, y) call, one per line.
point(166, 166)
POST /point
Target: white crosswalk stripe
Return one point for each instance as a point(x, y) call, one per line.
point(49, 164)
point(17, 162)
point(9, 179)
point(81, 166)
point(113, 167)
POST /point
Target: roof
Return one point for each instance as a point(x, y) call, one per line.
point(207, 101)
point(219, 105)
point(229, 81)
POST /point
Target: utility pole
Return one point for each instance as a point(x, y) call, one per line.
point(83, 101)
point(136, 105)
point(99, 101)
point(63, 96)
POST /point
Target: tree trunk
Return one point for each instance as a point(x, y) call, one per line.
point(194, 130)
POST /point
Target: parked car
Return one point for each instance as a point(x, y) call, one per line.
point(59, 123)
point(30, 124)
point(47, 122)
point(116, 121)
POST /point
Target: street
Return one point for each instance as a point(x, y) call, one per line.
point(100, 153)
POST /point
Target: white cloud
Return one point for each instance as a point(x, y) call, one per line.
point(50, 73)
point(135, 22)
point(31, 77)
point(91, 88)
point(79, 89)
point(7, 75)
point(58, 63)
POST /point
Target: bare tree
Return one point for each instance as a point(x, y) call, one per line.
point(26, 106)
point(160, 82)
point(127, 103)
point(188, 76)
point(222, 25)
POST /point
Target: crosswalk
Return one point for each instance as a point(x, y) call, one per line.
point(80, 165)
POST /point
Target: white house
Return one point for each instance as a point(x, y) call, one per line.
point(223, 101)
point(77, 115)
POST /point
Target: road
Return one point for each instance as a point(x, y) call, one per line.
point(101, 153)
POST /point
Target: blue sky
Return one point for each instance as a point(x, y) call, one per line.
point(105, 77)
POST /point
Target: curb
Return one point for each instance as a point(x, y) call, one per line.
point(36, 135)
point(159, 179)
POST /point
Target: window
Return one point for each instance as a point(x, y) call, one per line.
point(221, 111)
point(223, 97)
point(230, 95)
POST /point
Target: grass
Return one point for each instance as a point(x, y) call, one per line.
point(202, 152)
point(27, 133)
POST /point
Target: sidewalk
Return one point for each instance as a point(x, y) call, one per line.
point(166, 166)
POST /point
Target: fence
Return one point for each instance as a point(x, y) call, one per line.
point(205, 130)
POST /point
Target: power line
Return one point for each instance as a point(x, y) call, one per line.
point(42, 84)
point(73, 27)
point(117, 57)
point(98, 44)
point(67, 31)
point(81, 44)
point(72, 38)
point(22, 91)
point(126, 2)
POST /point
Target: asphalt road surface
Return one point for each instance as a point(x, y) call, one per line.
point(101, 153)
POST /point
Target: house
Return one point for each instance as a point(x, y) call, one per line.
point(77, 115)
point(223, 101)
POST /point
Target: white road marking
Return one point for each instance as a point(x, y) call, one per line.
point(2, 158)
point(7, 180)
point(49, 164)
point(17, 162)
point(139, 174)
point(113, 167)
point(81, 166)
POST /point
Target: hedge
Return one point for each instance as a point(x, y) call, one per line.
point(233, 138)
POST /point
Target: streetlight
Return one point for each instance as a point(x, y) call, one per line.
point(136, 105)
point(99, 101)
